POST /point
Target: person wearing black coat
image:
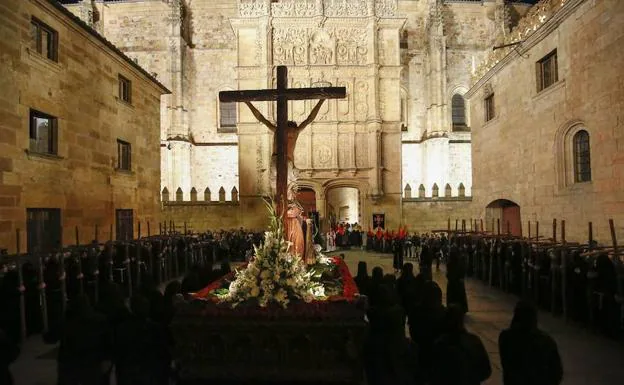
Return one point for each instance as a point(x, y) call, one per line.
point(387, 352)
point(9, 350)
point(528, 355)
point(459, 357)
point(143, 348)
point(455, 273)
point(85, 350)
point(362, 280)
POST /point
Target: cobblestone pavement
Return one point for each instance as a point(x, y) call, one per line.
point(588, 359)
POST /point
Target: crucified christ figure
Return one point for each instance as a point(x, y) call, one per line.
point(292, 131)
point(293, 219)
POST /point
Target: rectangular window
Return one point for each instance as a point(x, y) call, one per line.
point(547, 72)
point(44, 39)
point(124, 155)
point(124, 220)
point(125, 90)
point(489, 108)
point(43, 133)
point(227, 117)
point(43, 227)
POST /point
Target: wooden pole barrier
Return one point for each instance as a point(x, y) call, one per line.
point(498, 226)
point(554, 230)
point(537, 230)
point(80, 275)
point(160, 228)
point(139, 234)
point(149, 233)
point(456, 223)
point(463, 225)
point(591, 234)
point(21, 288)
point(563, 269)
point(529, 230)
point(471, 224)
point(42, 296)
point(481, 219)
point(613, 238)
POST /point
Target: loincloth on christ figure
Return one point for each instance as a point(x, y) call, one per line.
point(293, 175)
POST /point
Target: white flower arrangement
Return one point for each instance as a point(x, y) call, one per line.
point(274, 274)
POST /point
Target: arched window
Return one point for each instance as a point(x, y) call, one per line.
point(582, 159)
point(458, 107)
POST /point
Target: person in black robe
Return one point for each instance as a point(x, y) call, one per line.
point(377, 277)
point(459, 357)
point(85, 350)
point(387, 353)
point(143, 348)
point(426, 262)
point(427, 322)
point(362, 279)
point(528, 355)
point(9, 351)
point(455, 272)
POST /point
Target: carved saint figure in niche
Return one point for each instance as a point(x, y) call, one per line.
point(321, 48)
point(293, 132)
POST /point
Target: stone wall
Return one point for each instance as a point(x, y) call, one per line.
point(81, 91)
point(525, 153)
point(433, 214)
point(200, 217)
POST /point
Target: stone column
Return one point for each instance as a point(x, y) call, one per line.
point(180, 166)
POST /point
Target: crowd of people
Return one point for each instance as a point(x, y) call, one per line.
point(134, 338)
point(440, 350)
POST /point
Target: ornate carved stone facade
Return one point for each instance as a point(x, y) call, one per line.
point(400, 60)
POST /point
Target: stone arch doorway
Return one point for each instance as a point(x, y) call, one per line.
point(508, 213)
point(343, 204)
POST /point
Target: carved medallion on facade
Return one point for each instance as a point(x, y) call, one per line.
point(351, 45)
point(322, 156)
point(289, 46)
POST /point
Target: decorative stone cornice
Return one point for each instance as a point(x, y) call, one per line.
point(312, 8)
point(540, 21)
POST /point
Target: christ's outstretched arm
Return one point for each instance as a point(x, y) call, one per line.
point(260, 117)
point(312, 115)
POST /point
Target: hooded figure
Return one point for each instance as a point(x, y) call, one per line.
point(459, 357)
point(528, 355)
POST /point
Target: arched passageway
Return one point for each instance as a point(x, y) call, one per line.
point(505, 212)
point(343, 205)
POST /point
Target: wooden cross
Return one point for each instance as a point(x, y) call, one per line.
point(282, 95)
